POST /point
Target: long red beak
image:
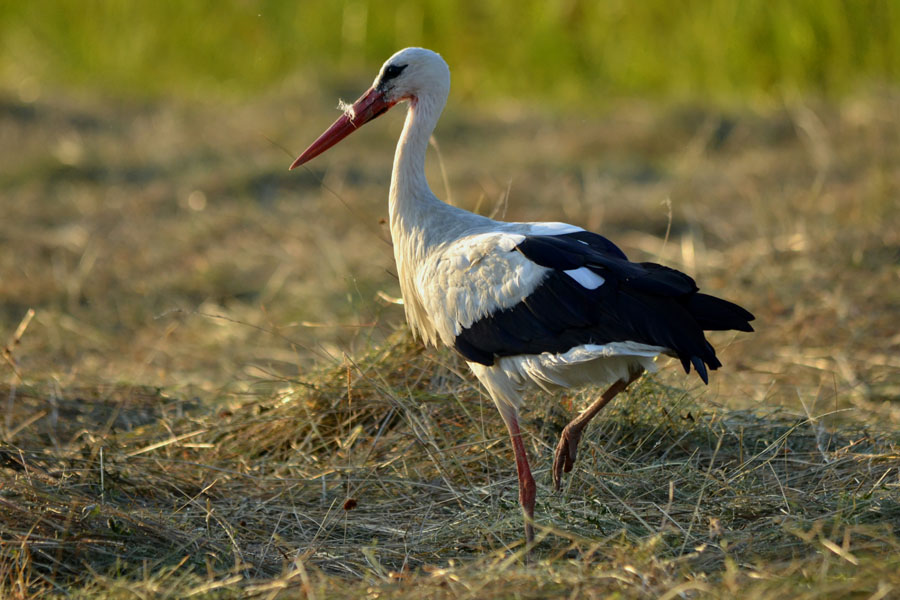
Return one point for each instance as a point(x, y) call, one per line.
point(370, 105)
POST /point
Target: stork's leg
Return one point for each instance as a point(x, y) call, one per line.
point(567, 448)
point(527, 489)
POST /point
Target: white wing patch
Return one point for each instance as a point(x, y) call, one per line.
point(472, 277)
point(586, 278)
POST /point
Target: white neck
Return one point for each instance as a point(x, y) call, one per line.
point(410, 195)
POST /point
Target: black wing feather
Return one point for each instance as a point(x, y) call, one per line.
point(639, 302)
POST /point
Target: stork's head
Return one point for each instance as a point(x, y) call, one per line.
point(413, 74)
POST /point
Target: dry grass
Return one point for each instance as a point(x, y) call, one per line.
point(392, 473)
point(209, 380)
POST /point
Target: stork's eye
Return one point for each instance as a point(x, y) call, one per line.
point(392, 71)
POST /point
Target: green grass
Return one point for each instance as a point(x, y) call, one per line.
point(560, 52)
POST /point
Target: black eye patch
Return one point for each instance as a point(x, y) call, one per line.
point(392, 71)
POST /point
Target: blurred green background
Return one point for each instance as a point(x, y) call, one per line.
point(556, 51)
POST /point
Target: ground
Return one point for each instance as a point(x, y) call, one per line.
point(217, 394)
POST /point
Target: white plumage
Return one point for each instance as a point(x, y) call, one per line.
point(526, 304)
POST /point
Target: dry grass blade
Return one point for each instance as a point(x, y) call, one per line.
point(14, 341)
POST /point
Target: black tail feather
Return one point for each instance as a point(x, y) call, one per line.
point(701, 368)
point(715, 314)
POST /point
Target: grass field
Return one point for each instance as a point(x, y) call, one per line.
point(216, 396)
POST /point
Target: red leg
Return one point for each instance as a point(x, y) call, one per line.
point(567, 448)
point(527, 489)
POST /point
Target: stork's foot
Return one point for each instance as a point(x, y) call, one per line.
point(566, 451)
point(567, 448)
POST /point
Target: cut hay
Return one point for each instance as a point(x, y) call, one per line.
point(393, 471)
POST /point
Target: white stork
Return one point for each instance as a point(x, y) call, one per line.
point(525, 304)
